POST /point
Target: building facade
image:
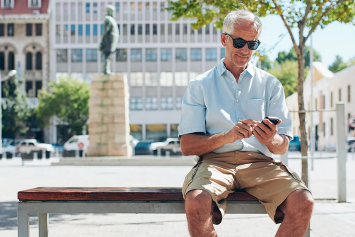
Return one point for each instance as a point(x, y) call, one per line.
point(24, 46)
point(328, 89)
point(159, 57)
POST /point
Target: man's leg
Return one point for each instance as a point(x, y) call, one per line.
point(298, 209)
point(199, 207)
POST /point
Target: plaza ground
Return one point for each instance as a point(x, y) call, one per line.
point(329, 219)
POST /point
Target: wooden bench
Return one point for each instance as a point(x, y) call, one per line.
point(113, 200)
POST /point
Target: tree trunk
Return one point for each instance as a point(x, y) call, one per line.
point(302, 116)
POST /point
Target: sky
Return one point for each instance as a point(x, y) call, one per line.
point(334, 39)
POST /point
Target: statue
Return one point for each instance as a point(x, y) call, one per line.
point(109, 39)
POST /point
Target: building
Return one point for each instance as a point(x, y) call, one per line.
point(24, 46)
point(159, 57)
point(328, 89)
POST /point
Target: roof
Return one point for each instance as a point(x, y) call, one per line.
point(21, 7)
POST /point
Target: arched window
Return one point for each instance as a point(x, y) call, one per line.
point(38, 61)
point(2, 61)
point(29, 61)
point(11, 61)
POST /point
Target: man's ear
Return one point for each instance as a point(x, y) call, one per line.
point(223, 39)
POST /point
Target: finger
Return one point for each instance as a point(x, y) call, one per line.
point(246, 127)
point(268, 123)
point(279, 122)
point(248, 121)
point(257, 135)
point(242, 131)
point(261, 132)
point(265, 126)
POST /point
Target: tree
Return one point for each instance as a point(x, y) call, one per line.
point(291, 55)
point(69, 102)
point(15, 110)
point(339, 64)
point(306, 15)
point(286, 72)
point(265, 62)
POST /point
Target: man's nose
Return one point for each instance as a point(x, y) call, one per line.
point(245, 49)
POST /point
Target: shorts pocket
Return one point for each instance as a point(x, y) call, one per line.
point(290, 171)
point(189, 178)
point(256, 109)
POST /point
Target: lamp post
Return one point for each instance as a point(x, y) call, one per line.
point(9, 75)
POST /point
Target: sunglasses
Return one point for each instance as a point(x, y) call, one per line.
point(239, 43)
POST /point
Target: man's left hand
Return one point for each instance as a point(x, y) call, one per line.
point(265, 132)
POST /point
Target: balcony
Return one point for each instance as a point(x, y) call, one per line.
point(33, 74)
point(32, 102)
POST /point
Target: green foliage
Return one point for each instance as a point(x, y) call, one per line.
point(266, 63)
point(339, 64)
point(291, 55)
point(287, 73)
point(69, 101)
point(15, 109)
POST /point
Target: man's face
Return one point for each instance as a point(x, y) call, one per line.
point(239, 57)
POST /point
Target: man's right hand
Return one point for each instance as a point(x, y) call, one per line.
point(240, 130)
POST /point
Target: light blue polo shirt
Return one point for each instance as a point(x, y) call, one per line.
point(214, 102)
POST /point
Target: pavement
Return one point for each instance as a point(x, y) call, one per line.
point(329, 218)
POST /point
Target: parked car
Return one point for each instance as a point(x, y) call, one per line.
point(76, 142)
point(295, 144)
point(143, 148)
point(7, 150)
point(170, 144)
point(351, 144)
point(27, 146)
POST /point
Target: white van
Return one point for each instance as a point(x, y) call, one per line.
point(77, 142)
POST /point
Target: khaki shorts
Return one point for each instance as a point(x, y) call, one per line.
point(220, 174)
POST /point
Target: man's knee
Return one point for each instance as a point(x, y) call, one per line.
point(198, 202)
point(298, 202)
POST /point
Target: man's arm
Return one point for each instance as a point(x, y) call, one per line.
point(194, 144)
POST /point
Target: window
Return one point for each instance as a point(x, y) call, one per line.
point(323, 102)
point(80, 29)
point(207, 32)
point(11, 61)
point(151, 79)
point(166, 79)
point(331, 99)
point(181, 79)
point(2, 61)
point(155, 29)
point(87, 8)
point(2, 29)
point(76, 55)
point(339, 94)
point(196, 54)
point(94, 31)
point(28, 29)
point(181, 54)
point(331, 127)
point(140, 29)
point(38, 29)
point(10, 29)
point(349, 93)
point(38, 87)
point(166, 103)
point(117, 6)
point(29, 61)
point(147, 29)
point(324, 129)
point(136, 131)
point(184, 29)
point(199, 31)
point(166, 54)
point(132, 29)
point(162, 29)
point(178, 102)
point(156, 132)
point(151, 103)
point(72, 30)
point(94, 7)
point(177, 29)
point(316, 104)
point(136, 55)
point(91, 55)
point(38, 61)
point(121, 55)
point(7, 3)
point(87, 29)
point(62, 55)
point(211, 54)
point(151, 55)
point(34, 3)
point(136, 79)
point(223, 52)
point(101, 29)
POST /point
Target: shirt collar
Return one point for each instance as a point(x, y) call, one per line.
point(221, 68)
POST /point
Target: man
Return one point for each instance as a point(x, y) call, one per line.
point(223, 123)
point(109, 39)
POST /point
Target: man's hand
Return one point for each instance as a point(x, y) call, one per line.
point(240, 130)
point(265, 131)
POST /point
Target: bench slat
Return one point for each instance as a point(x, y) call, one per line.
point(113, 194)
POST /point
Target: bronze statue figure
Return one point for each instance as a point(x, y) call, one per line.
point(109, 39)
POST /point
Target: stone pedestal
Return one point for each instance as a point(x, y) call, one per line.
point(109, 116)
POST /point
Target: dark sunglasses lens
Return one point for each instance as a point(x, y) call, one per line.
point(253, 45)
point(239, 43)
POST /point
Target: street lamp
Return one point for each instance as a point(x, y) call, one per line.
point(9, 75)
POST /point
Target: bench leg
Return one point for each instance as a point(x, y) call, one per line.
point(43, 224)
point(23, 223)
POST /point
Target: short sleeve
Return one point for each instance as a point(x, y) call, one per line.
point(278, 108)
point(193, 110)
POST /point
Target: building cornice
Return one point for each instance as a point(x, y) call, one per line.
point(23, 18)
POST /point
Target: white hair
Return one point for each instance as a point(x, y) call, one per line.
point(233, 18)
